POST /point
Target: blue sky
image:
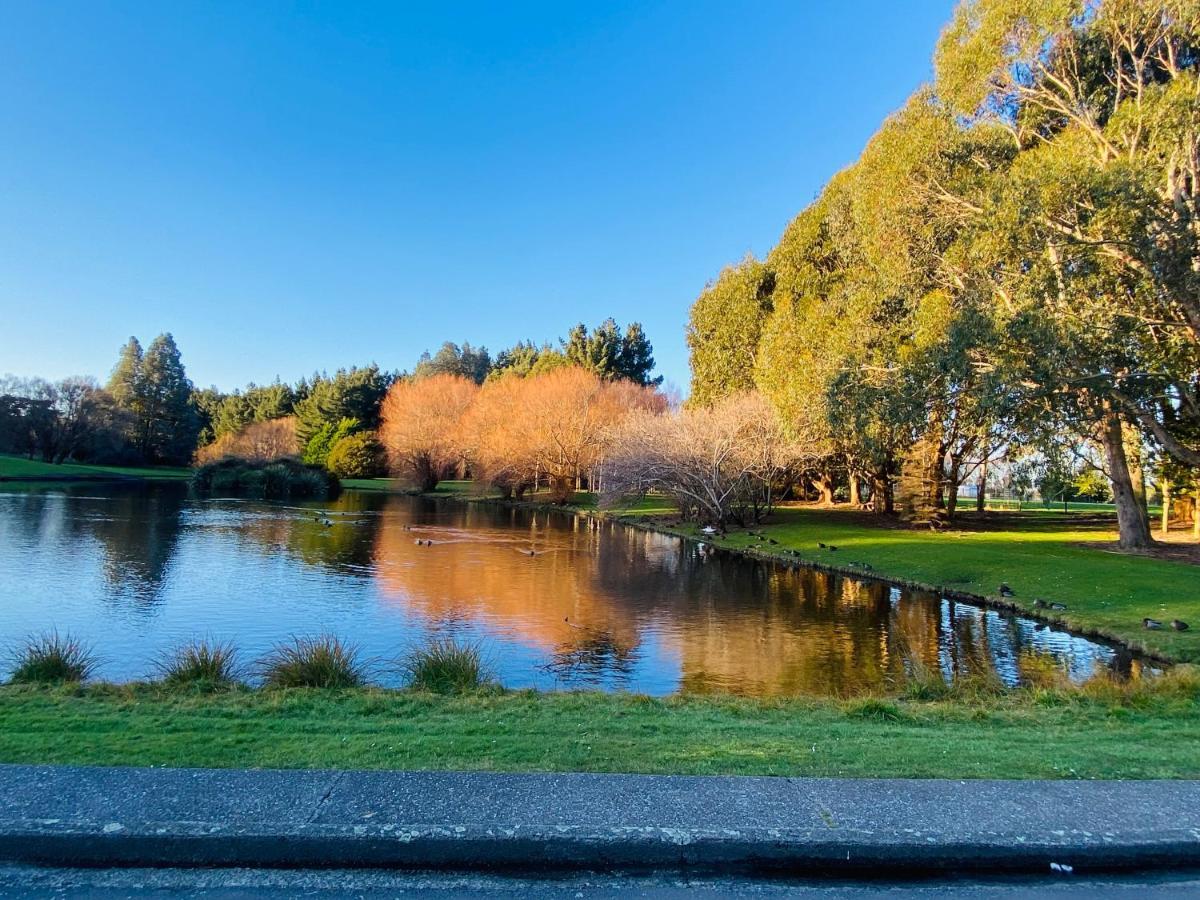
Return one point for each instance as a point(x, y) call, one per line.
point(297, 186)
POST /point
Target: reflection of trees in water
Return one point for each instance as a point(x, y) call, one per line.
point(755, 627)
point(479, 565)
point(595, 657)
point(346, 545)
point(138, 530)
point(766, 628)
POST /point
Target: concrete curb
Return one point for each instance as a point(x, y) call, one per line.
point(430, 820)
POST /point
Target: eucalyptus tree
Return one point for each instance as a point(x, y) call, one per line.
point(1096, 217)
point(882, 336)
point(725, 329)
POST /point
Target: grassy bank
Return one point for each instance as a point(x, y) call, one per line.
point(18, 467)
point(1101, 732)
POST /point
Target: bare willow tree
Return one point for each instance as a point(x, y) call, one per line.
point(722, 463)
point(422, 426)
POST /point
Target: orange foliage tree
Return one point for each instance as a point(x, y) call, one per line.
point(422, 426)
point(556, 425)
point(257, 442)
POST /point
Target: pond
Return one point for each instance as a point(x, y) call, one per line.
point(555, 600)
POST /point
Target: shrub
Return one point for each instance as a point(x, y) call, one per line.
point(356, 456)
point(875, 708)
point(252, 483)
point(52, 659)
point(200, 664)
point(320, 662)
point(446, 667)
point(223, 482)
point(314, 483)
point(280, 479)
point(319, 446)
point(277, 481)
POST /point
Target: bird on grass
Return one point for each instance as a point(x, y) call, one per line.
point(832, 549)
point(822, 544)
point(1005, 590)
point(1151, 624)
point(1179, 625)
point(1042, 604)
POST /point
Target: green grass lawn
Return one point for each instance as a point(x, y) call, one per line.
point(1104, 733)
point(968, 503)
point(20, 467)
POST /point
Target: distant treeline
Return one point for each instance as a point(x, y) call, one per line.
point(150, 412)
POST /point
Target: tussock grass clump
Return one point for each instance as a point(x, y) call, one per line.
point(201, 664)
point(875, 708)
point(444, 666)
point(324, 661)
point(52, 659)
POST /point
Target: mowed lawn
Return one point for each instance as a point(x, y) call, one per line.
point(20, 467)
point(1106, 733)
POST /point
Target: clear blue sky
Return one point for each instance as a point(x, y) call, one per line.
point(296, 186)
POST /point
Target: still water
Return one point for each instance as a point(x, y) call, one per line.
point(555, 601)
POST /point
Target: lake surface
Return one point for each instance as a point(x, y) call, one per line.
point(137, 570)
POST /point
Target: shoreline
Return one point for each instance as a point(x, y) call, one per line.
point(794, 560)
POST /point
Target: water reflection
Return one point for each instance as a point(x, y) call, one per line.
point(558, 601)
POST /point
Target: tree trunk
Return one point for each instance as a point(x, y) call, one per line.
point(936, 482)
point(1166, 505)
point(1196, 515)
point(855, 499)
point(981, 487)
point(1137, 472)
point(882, 500)
point(427, 475)
point(824, 485)
point(561, 488)
point(1132, 522)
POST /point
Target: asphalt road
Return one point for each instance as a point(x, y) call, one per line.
point(228, 884)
